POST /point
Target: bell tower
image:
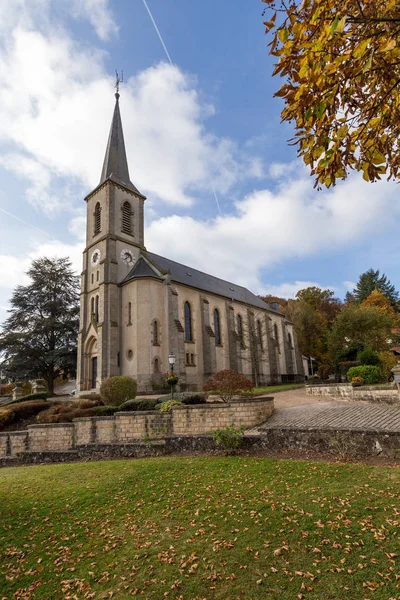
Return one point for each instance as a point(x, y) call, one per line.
point(114, 240)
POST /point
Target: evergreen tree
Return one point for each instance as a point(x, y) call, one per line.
point(372, 280)
point(39, 337)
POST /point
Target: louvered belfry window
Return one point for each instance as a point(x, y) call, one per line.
point(126, 218)
point(97, 218)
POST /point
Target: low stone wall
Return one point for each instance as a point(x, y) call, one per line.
point(386, 394)
point(126, 428)
point(340, 444)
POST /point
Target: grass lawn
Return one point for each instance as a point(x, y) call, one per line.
point(278, 388)
point(200, 528)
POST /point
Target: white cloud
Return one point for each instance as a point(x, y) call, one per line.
point(98, 13)
point(268, 228)
point(56, 104)
point(349, 285)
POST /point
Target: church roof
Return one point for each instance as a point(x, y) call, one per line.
point(141, 269)
point(115, 166)
point(208, 283)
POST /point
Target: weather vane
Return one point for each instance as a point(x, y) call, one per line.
point(118, 79)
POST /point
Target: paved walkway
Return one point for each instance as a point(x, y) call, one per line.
point(294, 409)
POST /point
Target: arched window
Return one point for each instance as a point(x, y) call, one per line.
point(156, 365)
point(240, 327)
point(217, 328)
point(155, 333)
point(259, 334)
point(97, 309)
point(97, 218)
point(92, 306)
point(188, 322)
point(289, 337)
point(276, 335)
point(126, 218)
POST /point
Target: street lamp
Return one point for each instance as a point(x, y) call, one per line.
point(171, 360)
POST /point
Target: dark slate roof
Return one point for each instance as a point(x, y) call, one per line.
point(140, 270)
point(208, 283)
point(115, 166)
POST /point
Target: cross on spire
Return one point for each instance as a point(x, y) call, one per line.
point(118, 79)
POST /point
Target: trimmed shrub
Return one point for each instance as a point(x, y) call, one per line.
point(230, 438)
point(370, 373)
point(386, 362)
point(169, 404)
point(6, 417)
point(24, 410)
point(38, 396)
point(142, 404)
point(94, 397)
point(368, 357)
point(88, 403)
point(104, 411)
point(227, 383)
point(185, 397)
point(117, 390)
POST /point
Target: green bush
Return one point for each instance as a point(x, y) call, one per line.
point(370, 373)
point(103, 411)
point(386, 362)
point(368, 357)
point(38, 396)
point(230, 438)
point(141, 404)
point(117, 390)
point(185, 397)
point(169, 404)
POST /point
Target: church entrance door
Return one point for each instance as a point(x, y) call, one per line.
point(94, 371)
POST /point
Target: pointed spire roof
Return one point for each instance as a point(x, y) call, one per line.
point(115, 166)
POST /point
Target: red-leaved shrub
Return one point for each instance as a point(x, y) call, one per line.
point(227, 384)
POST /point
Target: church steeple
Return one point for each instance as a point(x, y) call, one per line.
point(115, 166)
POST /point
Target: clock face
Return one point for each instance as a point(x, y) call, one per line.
point(96, 257)
point(127, 256)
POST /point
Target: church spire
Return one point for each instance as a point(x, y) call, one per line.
point(115, 166)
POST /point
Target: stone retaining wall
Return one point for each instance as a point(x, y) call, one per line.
point(386, 394)
point(131, 427)
point(340, 444)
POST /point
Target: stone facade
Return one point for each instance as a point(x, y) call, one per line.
point(121, 307)
point(130, 427)
point(386, 394)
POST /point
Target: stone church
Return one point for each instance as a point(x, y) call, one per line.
point(137, 308)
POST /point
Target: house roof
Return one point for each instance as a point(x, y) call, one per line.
point(115, 166)
point(185, 275)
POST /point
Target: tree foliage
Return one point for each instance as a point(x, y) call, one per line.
point(365, 326)
point(312, 314)
point(39, 337)
point(370, 284)
point(341, 65)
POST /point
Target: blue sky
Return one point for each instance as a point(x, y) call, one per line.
point(209, 120)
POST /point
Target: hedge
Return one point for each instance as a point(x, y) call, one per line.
point(369, 373)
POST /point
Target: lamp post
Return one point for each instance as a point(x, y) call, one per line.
point(171, 360)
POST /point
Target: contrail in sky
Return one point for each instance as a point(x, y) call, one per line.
point(25, 222)
point(172, 64)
